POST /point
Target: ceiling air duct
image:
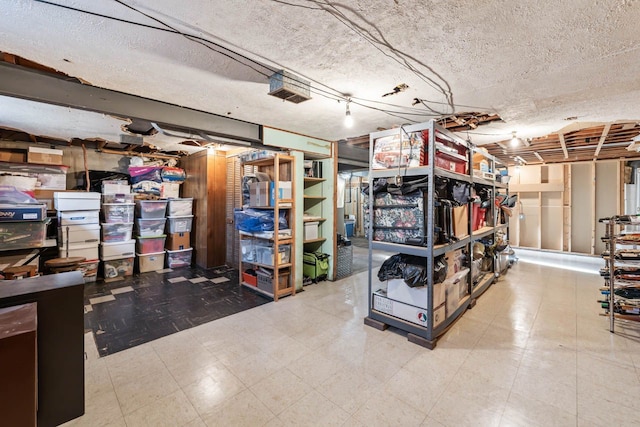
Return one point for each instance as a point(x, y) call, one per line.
point(288, 87)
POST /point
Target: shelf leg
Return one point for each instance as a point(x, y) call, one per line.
point(375, 324)
point(472, 303)
point(423, 342)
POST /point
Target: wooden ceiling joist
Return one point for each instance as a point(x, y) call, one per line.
point(563, 145)
point(605, 132)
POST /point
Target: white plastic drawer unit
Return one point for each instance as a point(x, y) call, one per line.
point(78, 217)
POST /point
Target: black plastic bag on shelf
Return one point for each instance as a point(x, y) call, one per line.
point(460, 192)
point(440, 269)
point(412, 269)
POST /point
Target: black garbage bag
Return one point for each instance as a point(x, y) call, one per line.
point(412, 269)
point(440, 269)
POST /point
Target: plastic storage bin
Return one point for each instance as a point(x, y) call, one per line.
point(117, 212)
point(150, 262)
point(176, 259)
point(264, 254)
point(117, 268)
point(117, 232)
point(150, 227)
point(180, 224)
point(151, 208)
point(180, 207)
point(118, 198)
point(150, 245)
point(22, 235)
point(89, 270)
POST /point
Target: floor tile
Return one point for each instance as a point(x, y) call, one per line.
point(280, 390)
point(384, 410)
point(172, 410)
point(350, 388)
point(524, 411)
point(102, 299)
point(244, 409)
point(134, 395)
point(313, 408)
point(177, 279)
point(211, 390)
point(219, 279)
point(122, 290)
point(198, 280)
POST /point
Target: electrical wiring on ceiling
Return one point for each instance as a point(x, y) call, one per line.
point(262, 69)
point(380, 41)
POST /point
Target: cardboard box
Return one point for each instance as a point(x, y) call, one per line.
point(284, 191)
point(170, 190)
point(76, 201)
point(439, 314)
point(178, 241)
point(461, 221)
point(311, 230)
point(399, 291)
point(455, 261)
point(418, 316)
point(22, 212)
point(13, 156)
point(44, 156)
point(259, 193)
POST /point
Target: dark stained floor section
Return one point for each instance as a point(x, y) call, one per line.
point(148, 306)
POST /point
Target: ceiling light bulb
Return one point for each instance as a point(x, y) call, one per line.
point(348, 119)
point(514, 140)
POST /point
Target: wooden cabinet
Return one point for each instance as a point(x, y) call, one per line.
point(206, 183)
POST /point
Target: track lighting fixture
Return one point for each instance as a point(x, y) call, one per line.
point(348, 119)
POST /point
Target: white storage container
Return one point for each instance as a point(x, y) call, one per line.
point(180, 207)
point(117, 212)
point(88, 251)
point(76, 201)
point(117, 232)
point(82, 233)
point(311, 230)
point(150, 262)
point(115, 186)
point(398, 290)
point(176, 259)
point(151, 208)
point(180, 224)
point(117, 250)
point(118, 198)
point(117, 268)
point(78, 217)
point(150, 227)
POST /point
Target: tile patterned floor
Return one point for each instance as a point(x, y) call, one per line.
point(533, 352)
point(149, 306)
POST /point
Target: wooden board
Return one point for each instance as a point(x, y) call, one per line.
point(552, 221)
point(581, 206)
point(607, 199)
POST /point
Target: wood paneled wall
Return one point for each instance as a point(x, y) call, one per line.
point(206, 183)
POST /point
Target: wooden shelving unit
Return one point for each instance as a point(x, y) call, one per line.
point(280, 168)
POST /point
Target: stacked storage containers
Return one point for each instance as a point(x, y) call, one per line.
point(179, 221)
point(150, 224)
point(79, 228)
point(118, 246)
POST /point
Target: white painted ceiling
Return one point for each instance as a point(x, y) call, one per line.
point(533, 63)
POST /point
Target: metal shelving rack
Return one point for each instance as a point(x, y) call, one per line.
point(612, 240)
point(425, 334)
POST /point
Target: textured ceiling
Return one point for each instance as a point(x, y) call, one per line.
point(534, 64)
